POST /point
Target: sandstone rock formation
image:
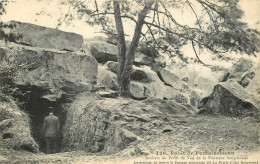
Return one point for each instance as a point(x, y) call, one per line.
point(55, 71)
point(140, 75)
point(230, 99)
point(112, 66)
point(146, 83)
point(38, 36)
point(82, 86)
point(172, 80)
point(105, 52)
point(15, 127)
point(110, 125)
point(107, 78)
point(137, 91)
point(246, 79)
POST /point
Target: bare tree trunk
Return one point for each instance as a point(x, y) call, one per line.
point(120, 44)
point(125, 62)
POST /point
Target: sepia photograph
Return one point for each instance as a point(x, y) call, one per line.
point(130, 81)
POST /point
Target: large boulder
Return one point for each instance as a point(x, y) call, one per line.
point(102, 51)
point(140, 75)
point(49, 69)
point(154, 87)
point(148, 51)
point(246, 79)
point(137, 74)
point(104, 125)
point(38, 36)
point(172, 80)
point(230, 99)
point(112, 66)
point(137, 91)
point(98, 133)
point(107, 78)
point(142, 59)
point(145, 83)
point(152, 61)
point(15, 127)
point(105, 52)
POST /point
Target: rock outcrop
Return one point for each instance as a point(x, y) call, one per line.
point(45, 72)
point(230, 99)
point(246, 79)
point(102, 51)
point(112, 66)
point(15, 127)
point(140, 75)
point(172, 80)
point(105, 52)
point(107, 78)
point(94, 124)
point(244, 71)
point(137, 91)
point(55, 71)
point(142, 59)
point(39, 36)
point(146, 83)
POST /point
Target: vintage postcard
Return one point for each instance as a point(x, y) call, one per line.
point(138, 81)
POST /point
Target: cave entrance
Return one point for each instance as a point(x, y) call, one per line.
point(37, 108)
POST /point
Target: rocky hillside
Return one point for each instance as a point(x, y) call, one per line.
point(78, 79)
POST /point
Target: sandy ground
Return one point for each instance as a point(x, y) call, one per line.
point(195, 134)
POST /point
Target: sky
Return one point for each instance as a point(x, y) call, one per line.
point(26, 11)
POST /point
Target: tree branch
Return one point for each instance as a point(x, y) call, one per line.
point(210, 16)
point(195, 14)
point(149, 28)
point(197, 54)
point(208, 5)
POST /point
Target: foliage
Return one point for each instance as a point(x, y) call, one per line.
point(3, 34)
point(217, 28)
point(2, 6)
point(7, 85)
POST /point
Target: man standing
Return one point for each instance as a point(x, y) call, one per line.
point(51, 129)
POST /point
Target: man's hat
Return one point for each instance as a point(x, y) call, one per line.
point(51, 109)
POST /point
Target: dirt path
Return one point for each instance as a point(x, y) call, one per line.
point(188, 134)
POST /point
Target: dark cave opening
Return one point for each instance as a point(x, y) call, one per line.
point(38, 108)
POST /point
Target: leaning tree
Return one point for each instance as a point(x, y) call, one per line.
point(217, 27)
